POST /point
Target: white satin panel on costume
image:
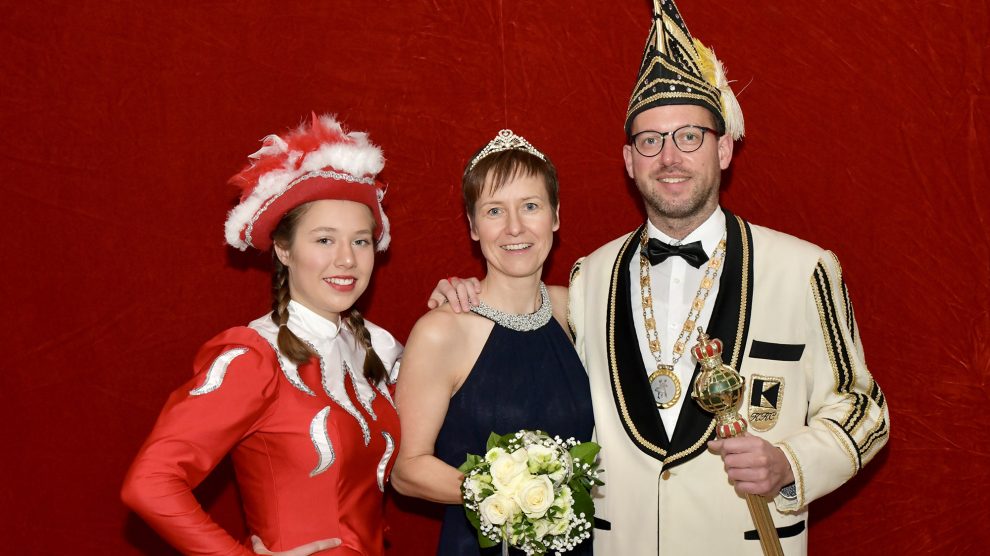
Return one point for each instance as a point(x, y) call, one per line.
point(321, 441)
point(218, 370)
point(383, 464)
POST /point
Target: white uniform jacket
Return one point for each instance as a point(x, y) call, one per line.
point(784, 315)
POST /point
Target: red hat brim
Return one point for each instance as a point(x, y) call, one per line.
point(258, 233)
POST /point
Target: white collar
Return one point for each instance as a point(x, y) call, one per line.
point(310, 325)
point(709, 233)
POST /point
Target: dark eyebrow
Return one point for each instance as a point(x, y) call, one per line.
point(331, 229)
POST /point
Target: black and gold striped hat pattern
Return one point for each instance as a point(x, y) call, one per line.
point(679, 69)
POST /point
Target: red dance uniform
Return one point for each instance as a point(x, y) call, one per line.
point(312, 445)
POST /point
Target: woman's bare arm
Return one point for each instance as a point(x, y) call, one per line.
point(433, 367)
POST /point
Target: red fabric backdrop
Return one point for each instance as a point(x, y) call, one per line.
point(120, 123)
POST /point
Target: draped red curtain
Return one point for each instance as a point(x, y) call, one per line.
point(121, 121)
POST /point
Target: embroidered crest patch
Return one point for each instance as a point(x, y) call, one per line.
point(765, 400)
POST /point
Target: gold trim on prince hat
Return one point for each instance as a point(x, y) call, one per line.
point(679, 69)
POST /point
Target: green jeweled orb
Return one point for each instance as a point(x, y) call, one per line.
point(719, 390)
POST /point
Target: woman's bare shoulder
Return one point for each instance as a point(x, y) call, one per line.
point(558, 295)
point(441, 328)
point(558, 299)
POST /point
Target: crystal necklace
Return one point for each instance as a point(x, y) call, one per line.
point(664, 383)
point(519, 323)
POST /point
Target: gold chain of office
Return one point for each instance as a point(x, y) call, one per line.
point(664, 383)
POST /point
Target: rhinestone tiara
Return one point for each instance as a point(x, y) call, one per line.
point(504, 141)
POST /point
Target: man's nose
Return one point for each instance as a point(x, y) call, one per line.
point(669, 154)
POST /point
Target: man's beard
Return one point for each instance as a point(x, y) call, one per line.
point(694, 205)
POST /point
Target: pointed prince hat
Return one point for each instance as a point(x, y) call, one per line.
point(679, 69)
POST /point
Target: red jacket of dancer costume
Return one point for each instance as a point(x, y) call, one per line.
point(312, 445)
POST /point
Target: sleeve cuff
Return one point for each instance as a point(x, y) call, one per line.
point(789, 492)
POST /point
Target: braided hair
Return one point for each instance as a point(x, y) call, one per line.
point(374, 369)
point(291, 346)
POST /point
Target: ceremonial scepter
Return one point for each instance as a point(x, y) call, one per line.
point(719, 390)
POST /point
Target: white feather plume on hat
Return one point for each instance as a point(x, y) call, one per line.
point(311, 150)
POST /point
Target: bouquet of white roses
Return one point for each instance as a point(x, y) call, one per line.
point(531, 491)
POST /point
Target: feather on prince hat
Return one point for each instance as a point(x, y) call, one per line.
point(319, 161)
point(679, 69)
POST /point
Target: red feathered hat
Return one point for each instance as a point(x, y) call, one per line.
point(312, 163)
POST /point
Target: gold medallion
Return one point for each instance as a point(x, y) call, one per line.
point(664, 384)
point(666, 387)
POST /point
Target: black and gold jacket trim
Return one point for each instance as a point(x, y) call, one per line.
point(843, 364)
point(630, 387)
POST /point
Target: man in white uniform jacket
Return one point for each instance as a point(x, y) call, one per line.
point(779, 304)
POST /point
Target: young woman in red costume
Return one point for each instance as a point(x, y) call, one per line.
point(300, 396)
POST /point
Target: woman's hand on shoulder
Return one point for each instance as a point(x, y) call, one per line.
point(304, 550)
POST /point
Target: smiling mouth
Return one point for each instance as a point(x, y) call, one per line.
point(673, 180)
point(517, 246)
point(340, 281)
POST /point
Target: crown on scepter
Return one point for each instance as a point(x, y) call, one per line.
point(719, 388)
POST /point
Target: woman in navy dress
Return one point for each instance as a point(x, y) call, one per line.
point(507, 365)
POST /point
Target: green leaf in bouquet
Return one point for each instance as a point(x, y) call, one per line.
point(484, 541)
point(470, 463)
point(584, 505)
point(473, 517)
point(586, 452)
point(493, 441)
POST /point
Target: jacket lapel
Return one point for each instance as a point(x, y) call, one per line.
point(730, 323)
point(630, 387)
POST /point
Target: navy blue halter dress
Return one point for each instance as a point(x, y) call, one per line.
point(521, 380)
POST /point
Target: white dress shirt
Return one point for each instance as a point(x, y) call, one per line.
point(675, 283)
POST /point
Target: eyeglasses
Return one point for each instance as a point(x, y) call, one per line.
point(686, 138)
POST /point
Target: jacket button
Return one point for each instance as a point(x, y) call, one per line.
point(665, 475)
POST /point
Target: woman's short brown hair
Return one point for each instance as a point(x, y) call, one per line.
point(503, 167)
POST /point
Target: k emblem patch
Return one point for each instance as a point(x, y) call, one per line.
point(765, 399)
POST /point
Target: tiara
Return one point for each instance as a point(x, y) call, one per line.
point(505, 141)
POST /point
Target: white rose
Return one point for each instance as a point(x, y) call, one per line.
point(474, 486)
point(497, 509)
point(494, 454)
point(535, 496)
point(507, 473)
point(520, 455)
point(565, 498)
point(540, 528)
point(560, 526)
point(540, 457)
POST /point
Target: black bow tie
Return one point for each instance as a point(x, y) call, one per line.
point(658, 252)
